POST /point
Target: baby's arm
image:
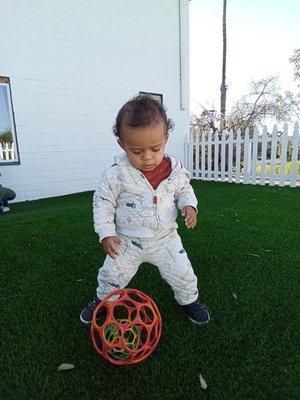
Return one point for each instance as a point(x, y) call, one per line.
point(104, 204)
point(186, 201)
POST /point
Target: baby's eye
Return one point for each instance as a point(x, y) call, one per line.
point(136, 152)
point(156, 149)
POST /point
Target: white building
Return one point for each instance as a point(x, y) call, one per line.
point(69, 66)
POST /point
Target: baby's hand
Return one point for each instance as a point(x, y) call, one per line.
point(190, 216)
point(110, 244)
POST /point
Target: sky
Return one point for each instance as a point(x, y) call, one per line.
point(261, 37)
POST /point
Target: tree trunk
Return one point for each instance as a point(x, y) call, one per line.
point(223, 85)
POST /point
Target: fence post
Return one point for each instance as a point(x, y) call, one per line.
point(273, 155)
point(223, 141)
point(284, 142)
point(254, 157)
point(230, 152)
point(246, 178)
point(238, 157)
point(12, 151)
point(197, 144)
point(263, 156)
point(216, 157)
point(209, 156)
point(6, 151)
point(294, 155)
point(203, 145)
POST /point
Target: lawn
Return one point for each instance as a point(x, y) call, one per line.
point(245, 250)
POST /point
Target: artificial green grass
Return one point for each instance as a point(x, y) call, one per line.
point(245, 250)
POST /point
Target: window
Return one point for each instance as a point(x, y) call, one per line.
point(156, 96)
point(9, 153)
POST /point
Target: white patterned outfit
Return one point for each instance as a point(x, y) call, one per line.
point(126, 205)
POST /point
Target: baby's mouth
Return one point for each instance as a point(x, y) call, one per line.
point(148, 167)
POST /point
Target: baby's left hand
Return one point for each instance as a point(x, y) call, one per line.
point(190, 216)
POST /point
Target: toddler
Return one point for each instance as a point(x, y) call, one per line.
point(135, 208)
point(6, 195)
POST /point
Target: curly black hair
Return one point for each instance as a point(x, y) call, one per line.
point(142, 110)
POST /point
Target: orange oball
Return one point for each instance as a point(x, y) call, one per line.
point(126, 327)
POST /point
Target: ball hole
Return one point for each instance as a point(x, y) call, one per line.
point(137, 297)
point(120, 312)
point(146, 315)
point(100, 315)
point(133, 314)
point(112, 334)
point(97, 341)
point(143, 336)
point(129, 303)
point(132, 337)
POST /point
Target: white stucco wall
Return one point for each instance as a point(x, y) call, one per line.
point(72, 65)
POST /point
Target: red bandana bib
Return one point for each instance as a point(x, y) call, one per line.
point(159, 173)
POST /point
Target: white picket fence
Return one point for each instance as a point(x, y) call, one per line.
point(7, 151)
point(260, 158)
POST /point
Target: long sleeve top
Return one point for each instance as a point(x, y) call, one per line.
point(125, 202)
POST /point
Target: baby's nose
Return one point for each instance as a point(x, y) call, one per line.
point(147, 156)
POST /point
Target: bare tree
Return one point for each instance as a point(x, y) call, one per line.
point(263, 100)
point(295, 59)
point(207, 121)
point(6, 136)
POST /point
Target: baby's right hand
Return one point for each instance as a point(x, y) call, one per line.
point(110, 244)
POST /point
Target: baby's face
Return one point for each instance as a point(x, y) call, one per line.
point(145, 147)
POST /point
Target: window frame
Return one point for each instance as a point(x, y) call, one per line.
point(154, 95)
point(5, 81)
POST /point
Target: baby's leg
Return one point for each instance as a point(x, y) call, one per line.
point(115, 274)
point(176, 269)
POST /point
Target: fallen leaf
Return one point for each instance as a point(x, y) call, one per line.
point(65, 367)
point(234, 295)
point(202, 382)
point(252, 254)
point(79, 280)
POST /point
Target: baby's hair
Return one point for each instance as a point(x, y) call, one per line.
point(142, 110)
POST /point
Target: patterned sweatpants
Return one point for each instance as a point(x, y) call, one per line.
point(167, 253)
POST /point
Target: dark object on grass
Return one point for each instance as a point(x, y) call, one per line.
point(6, 195)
